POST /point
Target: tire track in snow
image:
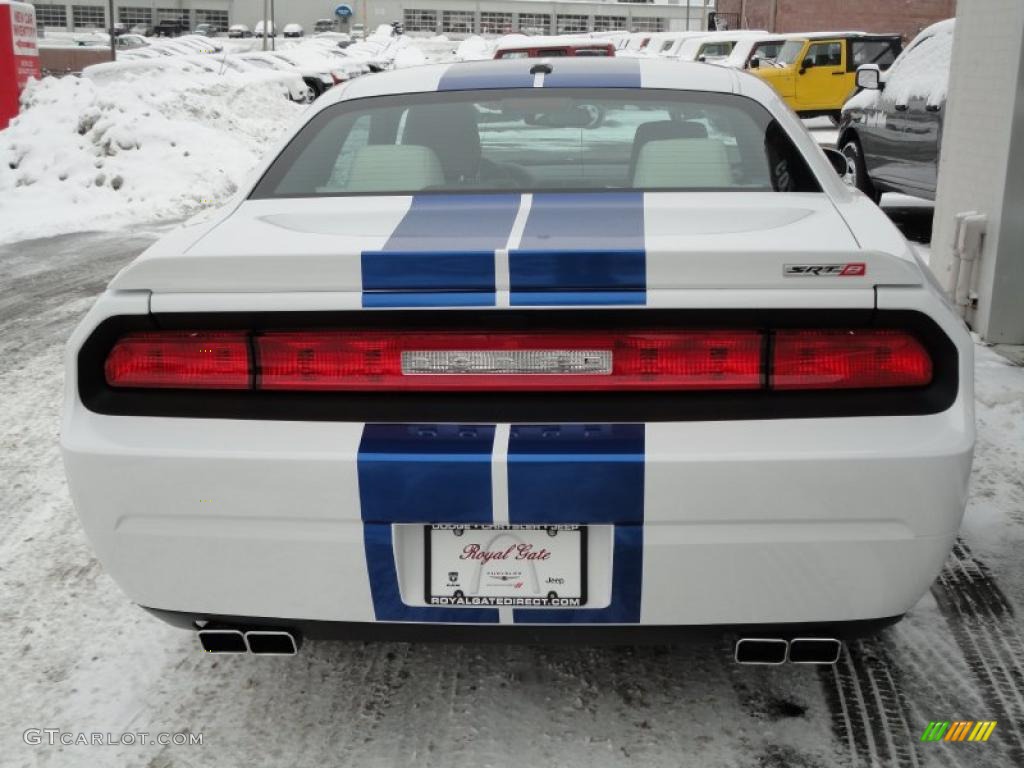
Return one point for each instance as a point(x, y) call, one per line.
point(871, 714)
point(982, 623)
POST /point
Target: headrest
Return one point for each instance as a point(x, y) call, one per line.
point(683, 163)
point(394, 168)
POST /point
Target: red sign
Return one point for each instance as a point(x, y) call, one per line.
point(19, 55)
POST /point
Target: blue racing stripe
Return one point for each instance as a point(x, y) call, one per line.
point(475, 75)
point(617, 72)
point(420, 473)
point(425, 473)
point(583, 474)
point(581, 248)
point(418, 265)
point(576, 473)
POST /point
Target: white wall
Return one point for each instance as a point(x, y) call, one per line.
point(982, 161)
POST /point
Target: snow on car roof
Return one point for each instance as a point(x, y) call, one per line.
point(612, 72)
point(922, 70)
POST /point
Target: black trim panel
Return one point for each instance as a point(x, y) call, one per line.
point(530, 407)
point(519, 634)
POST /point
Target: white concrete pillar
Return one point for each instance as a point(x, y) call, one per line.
point(982, 164)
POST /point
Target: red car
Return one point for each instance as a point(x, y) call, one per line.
point(544, 47)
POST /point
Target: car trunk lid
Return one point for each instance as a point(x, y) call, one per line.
point(541, 249)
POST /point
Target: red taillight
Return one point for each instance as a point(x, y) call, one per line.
point(531, 361)
point(854, 359)
point(180, 360)
point(456, 361)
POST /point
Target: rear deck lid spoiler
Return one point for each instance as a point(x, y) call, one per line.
point(605, 248)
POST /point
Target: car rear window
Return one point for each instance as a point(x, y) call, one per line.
point(536, 140)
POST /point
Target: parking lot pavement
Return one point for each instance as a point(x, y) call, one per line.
point(79, 657)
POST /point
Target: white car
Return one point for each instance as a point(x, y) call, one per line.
point(713, 47)
point(750, 52)
point(453, 365)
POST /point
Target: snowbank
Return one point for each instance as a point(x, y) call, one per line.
point(409, 56)
point(474, 48)
point(86, 155)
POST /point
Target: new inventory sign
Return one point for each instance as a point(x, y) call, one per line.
point(19, 55)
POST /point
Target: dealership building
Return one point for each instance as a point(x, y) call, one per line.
point(455, 18)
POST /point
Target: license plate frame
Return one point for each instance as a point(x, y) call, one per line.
point(458, 599)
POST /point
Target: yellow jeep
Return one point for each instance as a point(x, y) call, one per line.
point(816, 73)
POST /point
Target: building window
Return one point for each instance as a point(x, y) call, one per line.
point(637, 1)
point(535, 23)
point(609, 23)
point(419, 21)
point(132, 16)
point(569, 24)
point(88, 16)
point(52, 15)
point(459, 22)
point(173, 14)
point(648, 24)
point(495, 23)
point(217, 19)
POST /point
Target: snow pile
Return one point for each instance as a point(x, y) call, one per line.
point(474, 48)
point(923, 69)
point(87, 155)
point(409, 56)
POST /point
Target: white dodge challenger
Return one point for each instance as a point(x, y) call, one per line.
point(528, 350)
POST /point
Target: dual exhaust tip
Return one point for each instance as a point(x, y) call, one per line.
point(258, 641)
point(749, 650)
point(800, 650)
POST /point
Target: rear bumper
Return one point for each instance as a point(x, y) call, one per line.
point(712, 523)
point(522, 635)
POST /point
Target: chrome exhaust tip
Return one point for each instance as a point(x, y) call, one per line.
point(761, 650)
point(271, 642)
point(815, 650)
point(222, 641)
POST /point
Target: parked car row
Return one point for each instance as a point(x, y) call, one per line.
point(308, 69)
point(292, 85)
point(139, 47)
point(813, 72)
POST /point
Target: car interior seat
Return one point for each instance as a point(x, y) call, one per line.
point(451, 131)
point(663, 129)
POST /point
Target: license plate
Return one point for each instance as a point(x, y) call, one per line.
point(527, 566)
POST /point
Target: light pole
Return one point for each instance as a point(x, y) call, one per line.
point(113, 37)
point(263, 24)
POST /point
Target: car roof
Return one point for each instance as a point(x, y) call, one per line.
point(830, 35)
point(587, 72)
